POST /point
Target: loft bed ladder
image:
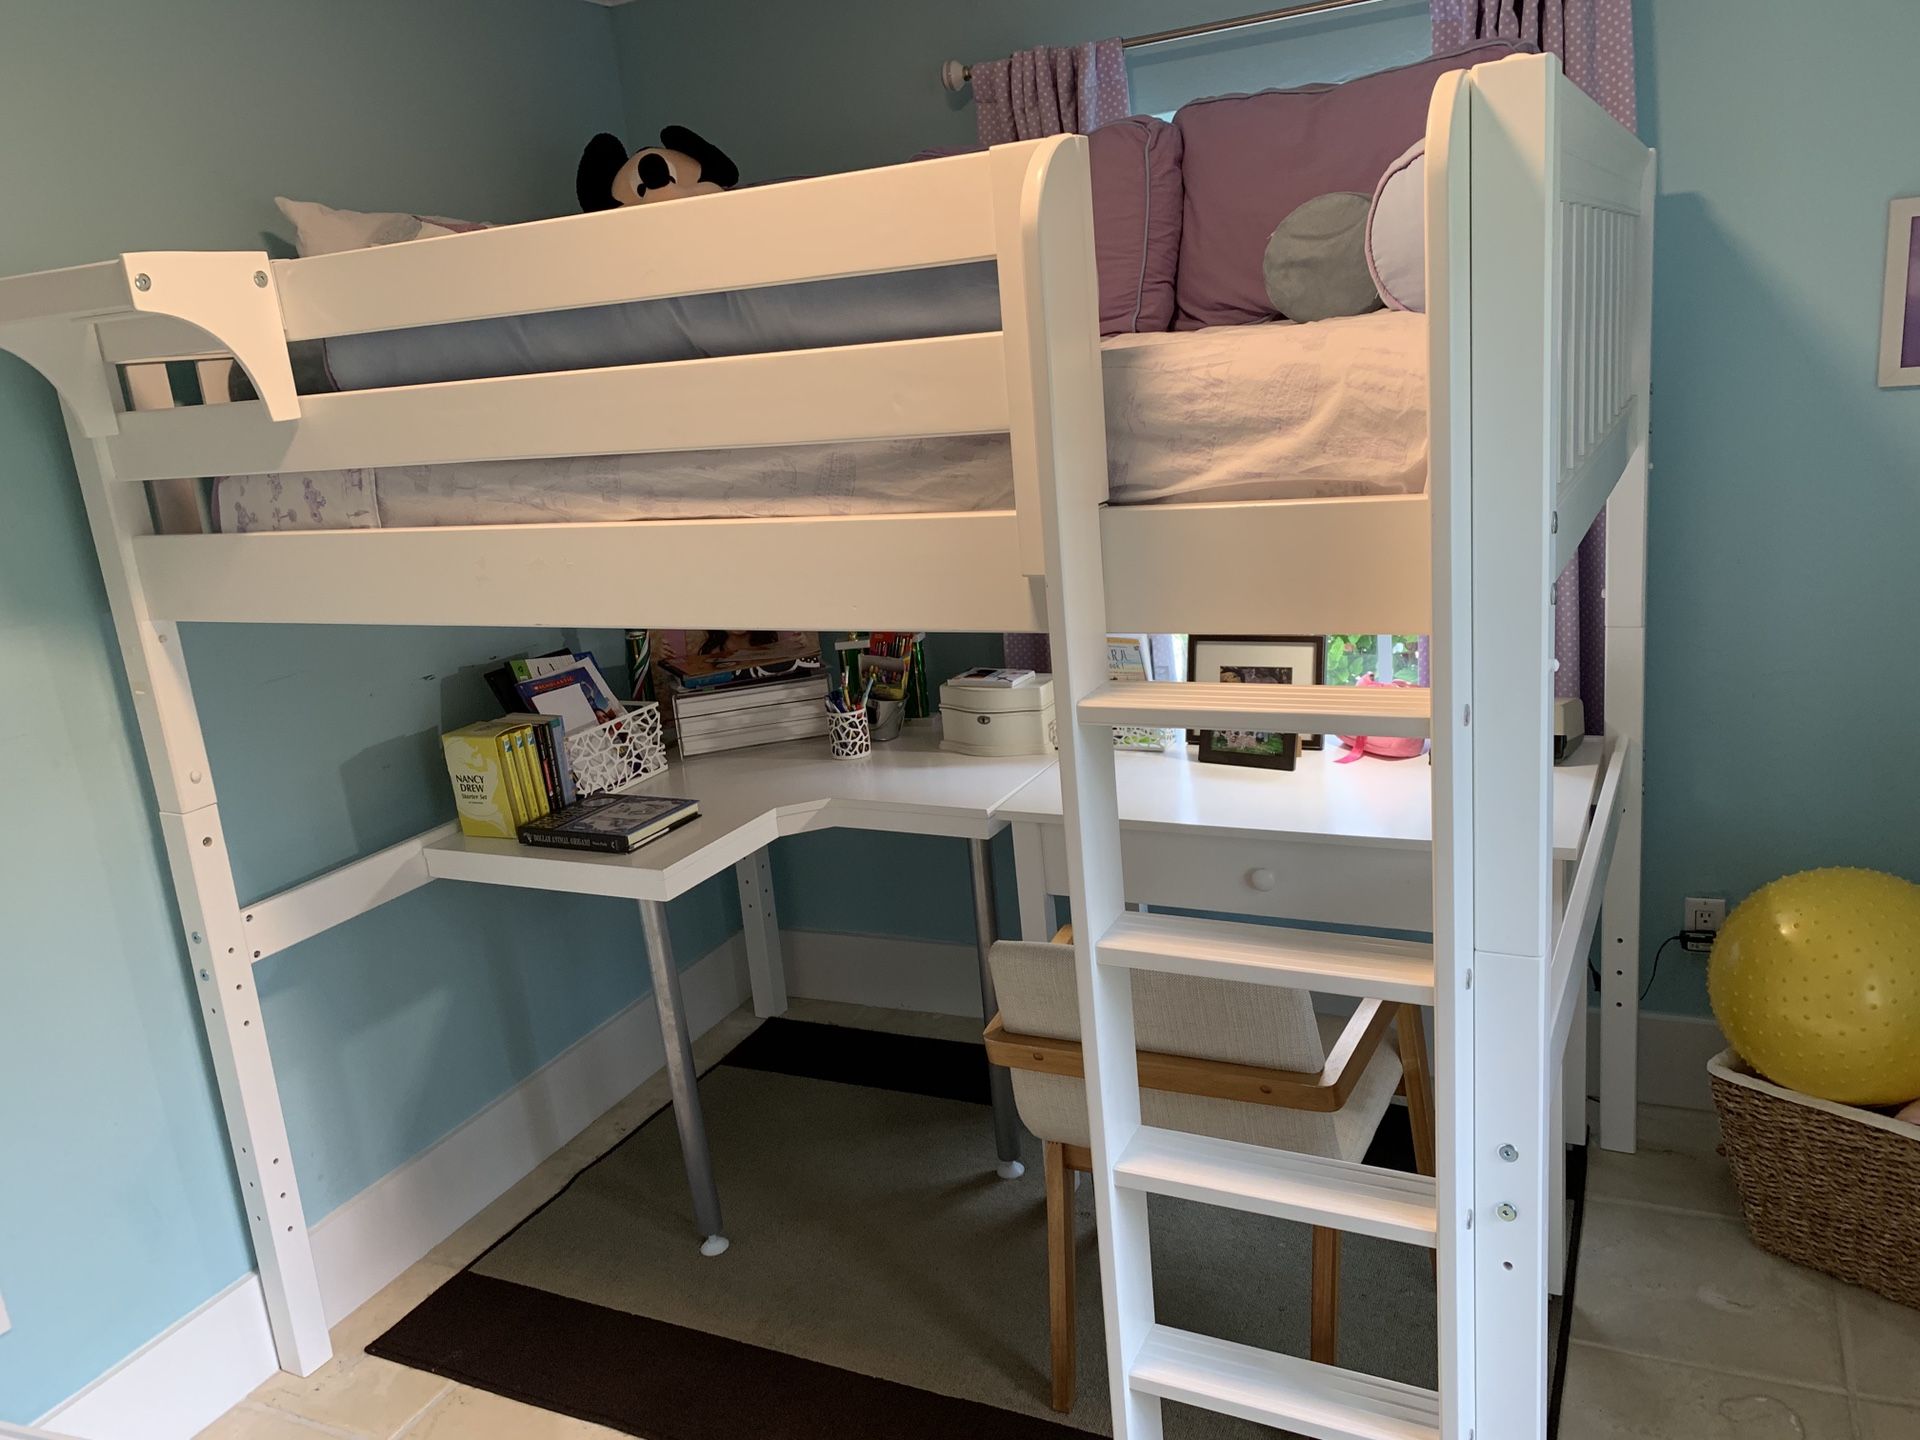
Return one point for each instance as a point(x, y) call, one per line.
point(1505, 981)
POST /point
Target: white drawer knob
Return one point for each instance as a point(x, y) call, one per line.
point(1260, 879)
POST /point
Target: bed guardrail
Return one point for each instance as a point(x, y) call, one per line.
point(94, 329)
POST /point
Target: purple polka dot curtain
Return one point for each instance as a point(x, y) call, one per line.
point(1049, 90)
point(1594, 40)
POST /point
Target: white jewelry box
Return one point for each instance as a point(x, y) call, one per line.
point(992, 721)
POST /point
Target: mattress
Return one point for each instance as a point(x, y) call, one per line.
point(1243, 412)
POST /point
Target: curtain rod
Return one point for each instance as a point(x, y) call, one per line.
point(954, 75)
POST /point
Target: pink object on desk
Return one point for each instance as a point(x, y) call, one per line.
point(1387, 747)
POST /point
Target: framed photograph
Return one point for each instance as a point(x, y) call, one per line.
point(1900, 308)
point(1257, 659)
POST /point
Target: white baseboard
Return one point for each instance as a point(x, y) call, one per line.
point(1674, 1050)
point(183, 1379)
point(928, 975)
point(204, 1364)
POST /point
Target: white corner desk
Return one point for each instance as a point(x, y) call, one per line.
point(1346, 844)
point(748, 799)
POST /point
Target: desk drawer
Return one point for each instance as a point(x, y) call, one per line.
point(1280, 879)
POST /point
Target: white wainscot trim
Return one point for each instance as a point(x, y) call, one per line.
point(1674, 1050)
point(932, 976)
point(207, 1362)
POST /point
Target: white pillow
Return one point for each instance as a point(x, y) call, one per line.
point(322, 230)
point(1397, 232)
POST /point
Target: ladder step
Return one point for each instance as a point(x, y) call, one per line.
point(1298, 1396)
point(1342, 709)
point(1367, 967)
point(1313, 1189)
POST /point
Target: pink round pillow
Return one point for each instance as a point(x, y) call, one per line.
point(1387, 747)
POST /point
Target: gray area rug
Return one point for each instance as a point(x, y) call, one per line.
point(872, 1241)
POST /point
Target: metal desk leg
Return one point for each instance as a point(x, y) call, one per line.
point(681, 1078)
point(1006, 1120)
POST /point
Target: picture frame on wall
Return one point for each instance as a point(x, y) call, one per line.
point(1214, 659)
point(1900, 306)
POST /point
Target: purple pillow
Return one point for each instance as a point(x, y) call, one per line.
point(1135, 166)
point(1136, 222)
point(1250, 160)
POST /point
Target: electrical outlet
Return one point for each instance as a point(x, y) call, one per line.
point(1704, 917)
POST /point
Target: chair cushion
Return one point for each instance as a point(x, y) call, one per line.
point(1054, 1107)
point(1205, 1019)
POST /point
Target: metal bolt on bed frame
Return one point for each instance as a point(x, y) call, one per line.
point(143, 281)
point(260, 278)
point(1506, 1211)
point(1509, 1154)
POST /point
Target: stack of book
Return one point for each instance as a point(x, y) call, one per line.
point(728, 717)
point(508, 772)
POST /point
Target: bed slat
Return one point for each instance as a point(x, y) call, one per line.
point(934, 212)
point(949, 386)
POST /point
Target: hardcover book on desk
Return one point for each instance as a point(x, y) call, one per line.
point(611, 824)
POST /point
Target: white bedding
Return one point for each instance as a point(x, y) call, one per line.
point(1244, 412)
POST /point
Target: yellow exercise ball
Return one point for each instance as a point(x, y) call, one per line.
point(1816, 981)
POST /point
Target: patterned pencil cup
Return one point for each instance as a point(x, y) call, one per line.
point(849, 735)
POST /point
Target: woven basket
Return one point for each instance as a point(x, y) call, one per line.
point(1828, 1186)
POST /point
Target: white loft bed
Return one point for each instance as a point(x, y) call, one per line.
point(1539, 271)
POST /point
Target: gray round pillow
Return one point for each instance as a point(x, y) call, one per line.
point(1316, 259)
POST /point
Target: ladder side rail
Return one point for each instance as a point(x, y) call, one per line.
point(1450, 421)
point(211, 917)
point(1046, 270)
point(1518, 323)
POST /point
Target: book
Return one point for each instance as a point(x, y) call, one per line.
point(610, 824)
point(552, 731)
point(985, 677)
point(532, 782)
point(483, 789)
point(516, 769)
point(578, 694)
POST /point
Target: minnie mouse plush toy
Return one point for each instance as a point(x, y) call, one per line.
point(681, 164)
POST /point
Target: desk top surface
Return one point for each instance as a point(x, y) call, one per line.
point(750, 798)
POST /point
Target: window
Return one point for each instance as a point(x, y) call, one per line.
point(1351, 656)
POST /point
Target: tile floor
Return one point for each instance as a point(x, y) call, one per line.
point(1682, 1330)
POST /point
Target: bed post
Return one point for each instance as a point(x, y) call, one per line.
point(1450, 419)
point(211, 916)
point(1504, 723)
point(1626, 682)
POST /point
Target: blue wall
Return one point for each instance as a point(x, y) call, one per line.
point(1785, 500)
point(133, 126)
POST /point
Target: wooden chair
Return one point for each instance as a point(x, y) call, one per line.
point(1217, 1057)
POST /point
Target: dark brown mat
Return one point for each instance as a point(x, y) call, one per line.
point(666, 1382)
